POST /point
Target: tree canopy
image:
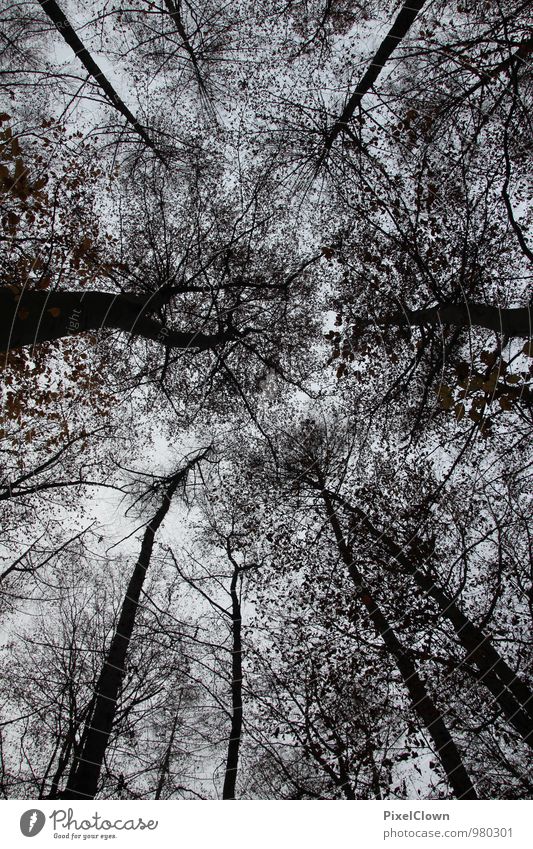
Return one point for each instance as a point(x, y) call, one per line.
point(266, 337)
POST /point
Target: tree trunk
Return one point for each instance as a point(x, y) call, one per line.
point(35, 317)
point(68, 33)
point(175, 13)
point(511, 694)
point(509, 322)
point(165, 766)
point(398, 31)
point(232, 761)
point(421, 701)
point(85, 772)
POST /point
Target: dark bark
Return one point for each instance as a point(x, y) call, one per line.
point(513, 221)
point(62, 765)
point(510, 693)
point(68, 33)
point(232, 760)
point(421, 701)
point(35, 317)
point(165, 766)
point(85, 772)
point(514, 321)
point(232, 756)
point(174, 10)
point(510, 322)
point(399, 29)
point(61, 750)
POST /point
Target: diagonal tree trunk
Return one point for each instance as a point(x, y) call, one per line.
point(510, 693)
point(422, 703)
point(68, 33)
point(85, 772)
point(401, 26)
point(174, 10)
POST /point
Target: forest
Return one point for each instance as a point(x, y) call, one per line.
point(266, 341)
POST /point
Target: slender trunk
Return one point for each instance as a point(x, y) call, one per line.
point(511, 694)
point(165, 767)
point(85, 772)
point(34, 317)
point(62, 764)
point(345, 783)
point(376, 786)
point(59, 746)
point(232, 760)
point(398, 31)
point(421, 701)
point(68, 33)
point(174, 11)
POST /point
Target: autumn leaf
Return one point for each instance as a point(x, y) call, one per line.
point(445, 396)
point(488, 357)
point(490, 384)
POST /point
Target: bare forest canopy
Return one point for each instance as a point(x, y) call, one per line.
point(266, 339)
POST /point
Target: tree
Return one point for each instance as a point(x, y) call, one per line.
point(299, 233)
point(83, 779)
point(307, 466)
